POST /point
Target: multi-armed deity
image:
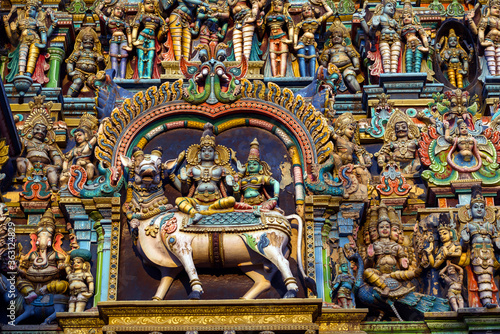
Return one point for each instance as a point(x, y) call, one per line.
point(207, 165)
point(454, 58)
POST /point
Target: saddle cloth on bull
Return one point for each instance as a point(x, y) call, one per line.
point(237, 222)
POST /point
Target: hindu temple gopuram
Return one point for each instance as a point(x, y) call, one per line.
point(249, 166)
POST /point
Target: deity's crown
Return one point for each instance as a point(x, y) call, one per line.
point(383, 214)
point(394, 218)
point(39, 116)
point(254, 151)
point(394, 2)
point(344, 120)
point(444, 222)
point(47, 220)
point(477, 195)
point(407, 7)
point(452, 32)
point(207, 138)
point(88, 123)
point(35, 3)
point(493, 3)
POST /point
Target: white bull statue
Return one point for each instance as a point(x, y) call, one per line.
point(166, 240)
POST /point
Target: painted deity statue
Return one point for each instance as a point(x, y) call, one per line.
point(207, 166)
point(454, 58)
point(343, 284)
point(37, 138)
point(449, 249)
point(488, 33)
point(280, 26)
point(387, 260)
point(480, 234)
point(304, 40)
point(154, 26)
point(345, 57)
point(257, 175)
point(81, 281)
point(41, 266)
point(244, 17)
point(415, 38)
point(180, 21)
point(400, 143)
point(347, 148)
point(85, 61)
point(211, 21)
point(121, 37)
point(453, 276)
point(389, 40)
point(82, 154)
point(30, 31)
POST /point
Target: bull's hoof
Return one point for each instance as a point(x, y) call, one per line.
point(290, 294)
point(195, 295)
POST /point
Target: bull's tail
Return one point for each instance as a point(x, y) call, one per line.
point(310, 283)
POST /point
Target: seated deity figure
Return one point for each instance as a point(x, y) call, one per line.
point(257, 176)
point(37, 138)
point(400, 143)
point(347, 149)
point(41, 267)
point(388, 259)
point(82, 154)
point(207, 166)
point(481, 236)
point(389, 42)
point(454, 58)
point(84, 63)
point(345, 57)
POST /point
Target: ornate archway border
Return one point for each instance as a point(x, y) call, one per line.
point(308, 126)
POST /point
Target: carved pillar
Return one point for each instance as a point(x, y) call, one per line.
point(106, 257)
point(100, 243)
point(56, 58)
point(318, 255)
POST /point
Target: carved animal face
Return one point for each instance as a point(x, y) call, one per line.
point(147, 169)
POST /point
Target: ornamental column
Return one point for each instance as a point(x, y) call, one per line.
point(56, 58)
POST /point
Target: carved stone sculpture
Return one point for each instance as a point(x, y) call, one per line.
point(400, 143)
point(342, 55)
point(280, 25)
point(154, 27)
point(257, 174)
point(38, 137)
point(212, 21)
point(207, 166)
point(304, 40)
point(83, 64)
point(81, 281)
point(343, 284)
point(120, 43)
point(389, 42)
point(454, 59)
point(480, 235)
point(453, 276)
point(413, 34)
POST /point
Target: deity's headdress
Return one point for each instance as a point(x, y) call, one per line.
point(40, 114)
point(383, 214)
point(343, 121)
point(444, 222)
point(208, 138)
point(394, 218)
point(34, 3)
point(255, 156)
point(47, 221)
point(88, 124)
point(477, 195)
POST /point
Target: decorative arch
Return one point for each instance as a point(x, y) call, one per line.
point(303, 129)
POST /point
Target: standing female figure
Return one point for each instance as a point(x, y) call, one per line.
point(306, 44)
point(280, 25)
point(121, 37)
point(148, 16)
point(416, 39)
